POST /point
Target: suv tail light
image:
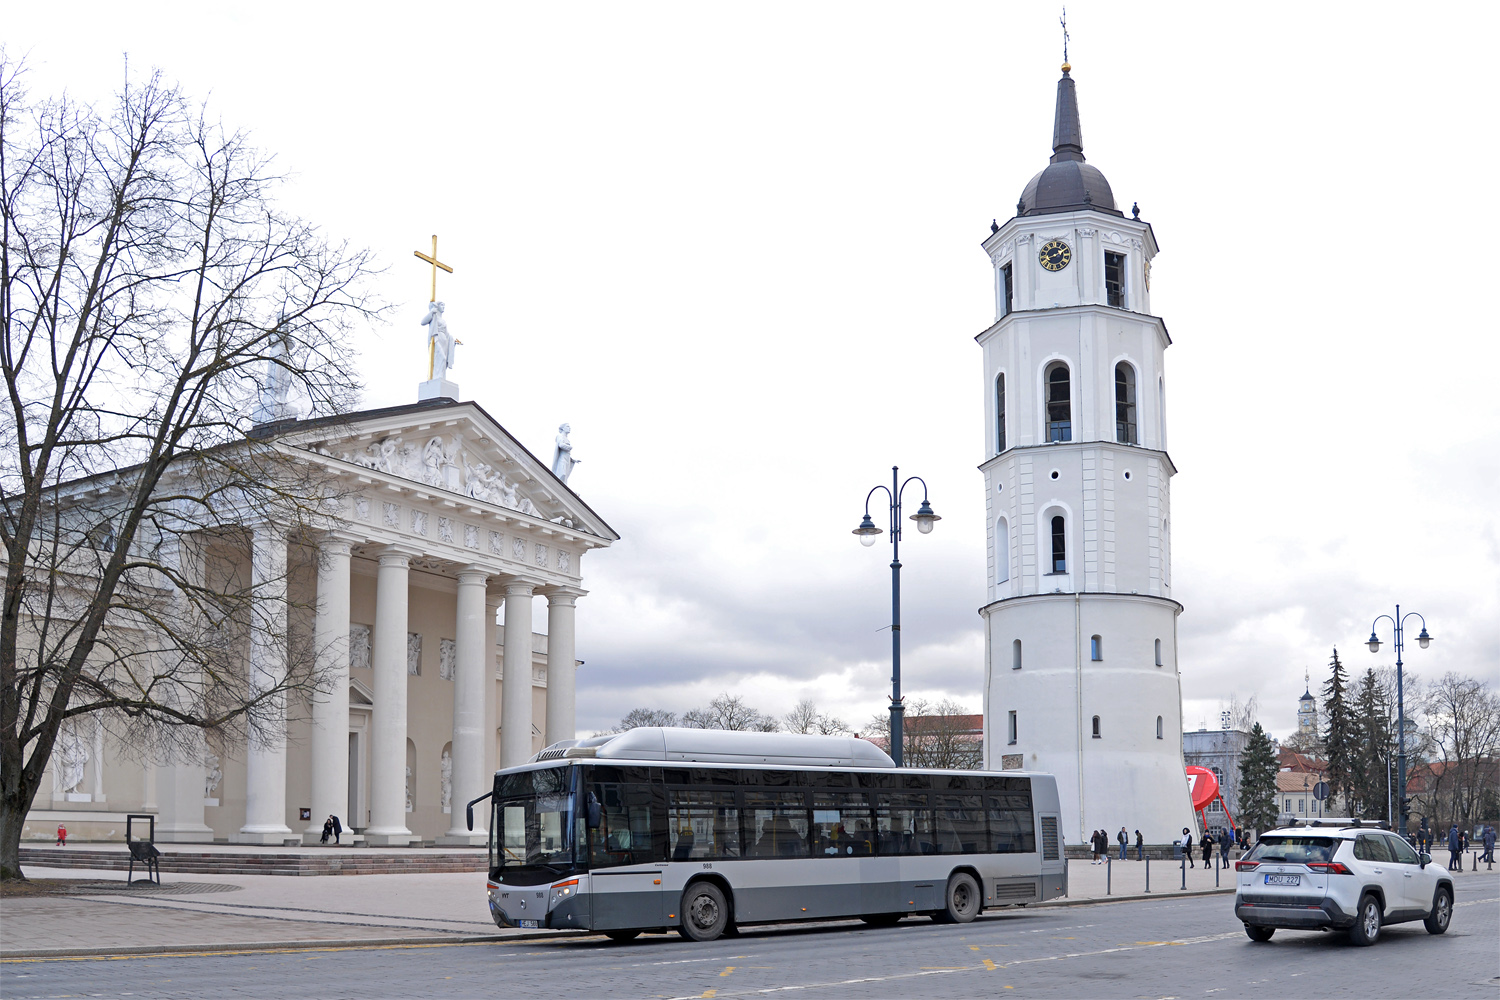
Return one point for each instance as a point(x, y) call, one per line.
point(1330, 868)
point(1246, 866)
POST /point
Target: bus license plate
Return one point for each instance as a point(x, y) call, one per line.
point(1283, 880)
point(533, 923)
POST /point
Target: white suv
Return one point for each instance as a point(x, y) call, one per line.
point(1326, 878)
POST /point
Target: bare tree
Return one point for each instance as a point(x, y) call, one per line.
point(941, 734)
point(805, 718)
point(155, 304)
point(729, 712)
point(1463, 721)
point(638, 718)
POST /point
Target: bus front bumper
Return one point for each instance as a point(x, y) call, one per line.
point(552, 907)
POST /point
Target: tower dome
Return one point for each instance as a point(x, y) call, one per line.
point(1068, 184)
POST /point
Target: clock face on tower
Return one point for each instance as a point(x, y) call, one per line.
point(1055, 255)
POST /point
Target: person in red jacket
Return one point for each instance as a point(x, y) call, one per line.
point(62, 835)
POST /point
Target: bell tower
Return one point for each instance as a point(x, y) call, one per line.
point(1080, 624)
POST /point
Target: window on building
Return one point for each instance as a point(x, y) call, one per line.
point(1096, 648)
point(1011, 725)
point(1059, 403)
point(1158, 727)
point(1096, 727)
point(999, 413)
point(1015, 655)
point(1114, 279)
point(1218, 776)
point(1288, 806)
point(1158, 652)
point(1059, 545)
point(1007, 293)
point(1302, 805)
point(1002, 550)
point(1125, 429)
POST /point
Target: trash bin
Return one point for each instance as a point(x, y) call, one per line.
point(1176, 852)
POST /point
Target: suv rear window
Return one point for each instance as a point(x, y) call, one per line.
point(1296, 850)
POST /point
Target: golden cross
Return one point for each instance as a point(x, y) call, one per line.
point(435, 265)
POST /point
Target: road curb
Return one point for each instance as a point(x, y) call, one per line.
point(1138, 897)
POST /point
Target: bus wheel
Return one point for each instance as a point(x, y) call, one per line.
point(962, 899)
point(620, 937)
point(705, 912)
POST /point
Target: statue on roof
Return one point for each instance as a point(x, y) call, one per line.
point(439, 341)
point(562, 459)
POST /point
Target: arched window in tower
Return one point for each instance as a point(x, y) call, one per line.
point(1114, 279)
point(1158, 727)
point(1096, 648)
point(1158, 652)
point(1015, 655)
point(1096, 728)
point(999, 413)
point(1006, 289)
point(1161, 413)
point(1125, 429)
point(1059, 545)
point(1011, 728)
point(1059, 403)
point(1002, 550)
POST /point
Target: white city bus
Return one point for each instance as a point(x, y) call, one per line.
point(706, 831)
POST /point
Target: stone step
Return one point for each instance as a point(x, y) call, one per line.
point(248, 863)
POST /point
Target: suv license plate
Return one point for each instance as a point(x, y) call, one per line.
point(533, 923)
point(1283, 880)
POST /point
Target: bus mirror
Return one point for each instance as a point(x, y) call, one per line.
point(594, 813)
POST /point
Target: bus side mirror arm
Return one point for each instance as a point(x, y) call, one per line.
point(469, 809)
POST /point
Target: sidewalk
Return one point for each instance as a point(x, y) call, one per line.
point(263, 912)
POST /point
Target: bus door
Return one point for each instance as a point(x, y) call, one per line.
point(626, 862)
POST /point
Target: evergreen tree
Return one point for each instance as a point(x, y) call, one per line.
point(1258, 768)
point(1339, 733)
point(1375, 745)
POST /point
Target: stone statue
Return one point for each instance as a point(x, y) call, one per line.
point(69, 757)
point(562, 459)
point(440, 339)
point(432, 461)
point(276, 390)
point(214, 774)
point(447, 780)
point(410, 806)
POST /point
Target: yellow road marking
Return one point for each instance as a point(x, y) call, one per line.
point(973, 947)
point(709, 993)
point(727, 970)
point(989, 964)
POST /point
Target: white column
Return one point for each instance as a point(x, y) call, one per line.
point(469, 780)
point(515, 692)
point(388, 714)
point(265, 758)
point(330, 703)
point(180, 778)
point(561, 701)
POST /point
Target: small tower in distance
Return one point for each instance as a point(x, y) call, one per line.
point(1307, 711)
point(1080, 624)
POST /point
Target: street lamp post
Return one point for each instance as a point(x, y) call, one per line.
point(1422, 640)
point(867, 531)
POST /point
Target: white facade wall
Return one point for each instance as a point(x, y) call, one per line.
point(1115, 500)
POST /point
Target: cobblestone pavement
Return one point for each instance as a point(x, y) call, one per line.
point(1168, 948)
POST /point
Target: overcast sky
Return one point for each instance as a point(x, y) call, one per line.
point(737, 247)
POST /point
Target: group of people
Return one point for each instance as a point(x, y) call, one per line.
point(331, 828)
point(1206, 844)
point(1458, 843)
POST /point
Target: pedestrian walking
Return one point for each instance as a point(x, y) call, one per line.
point(1455, 849)
point(1187, 845)
point(1207, 843)
point(1225, 840)
point(338, 828)
point(1124, 839)
point(1101, 846)
point(62, 835)
point(1424, 837)
point(1140, 846)
point(1488, 840)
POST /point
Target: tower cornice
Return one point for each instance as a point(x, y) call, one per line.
point(1092, 595)
point(1018, 226)
point(1095, 308)
point(1133, 449)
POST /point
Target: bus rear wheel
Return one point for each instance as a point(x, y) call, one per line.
point(961, 900)
point(705, 912)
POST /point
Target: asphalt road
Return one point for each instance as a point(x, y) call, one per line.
point(1158, 949)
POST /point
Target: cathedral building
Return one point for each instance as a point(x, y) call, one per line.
point(1080, 624)
point(439, 519)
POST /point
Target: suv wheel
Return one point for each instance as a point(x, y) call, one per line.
point(1442, 911)
point(1259, 933)
point(1366, 921)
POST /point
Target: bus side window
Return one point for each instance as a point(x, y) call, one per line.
point(960, 824)
point(702, 824)
point(776, 824)
point(1012, 827)
point(903, 824)
point(624, 834)
point(841, 824)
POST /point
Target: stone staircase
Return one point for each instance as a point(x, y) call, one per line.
point(251, 862)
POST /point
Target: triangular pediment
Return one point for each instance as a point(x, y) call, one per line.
point(451, 448)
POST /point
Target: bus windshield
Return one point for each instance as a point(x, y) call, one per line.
point(535, 824)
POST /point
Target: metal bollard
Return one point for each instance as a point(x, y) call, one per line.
point(1216, 876)
point(1108, 868)
point(1148, 874)
point(1184, 870)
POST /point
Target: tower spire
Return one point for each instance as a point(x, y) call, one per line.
point(1067, 131)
